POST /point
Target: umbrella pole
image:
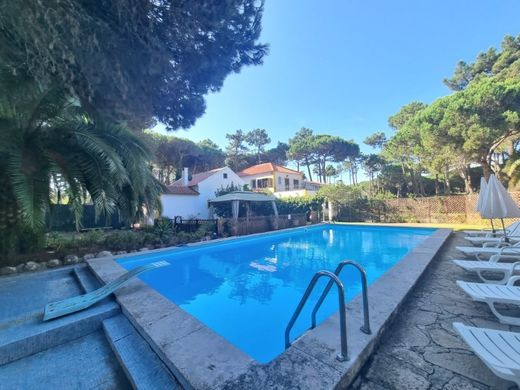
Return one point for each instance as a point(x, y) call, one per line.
point(504, 229)
point(492, 226)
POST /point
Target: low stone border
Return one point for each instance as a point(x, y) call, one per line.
point(200, 358)
point(33, 266)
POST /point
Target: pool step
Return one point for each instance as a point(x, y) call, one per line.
point(142, 366)
point(85, 279)
point(35, 336)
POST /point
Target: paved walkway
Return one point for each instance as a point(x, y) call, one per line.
point(421, 350)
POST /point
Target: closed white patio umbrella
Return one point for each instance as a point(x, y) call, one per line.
point(481, 194)
point(497, 203)
point(480, 200)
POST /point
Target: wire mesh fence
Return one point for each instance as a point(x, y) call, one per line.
point(438, 209)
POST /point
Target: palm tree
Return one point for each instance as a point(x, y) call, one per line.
point(49, 145)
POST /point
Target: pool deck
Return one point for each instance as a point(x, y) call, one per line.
point(421, 350)
point(201, 359)
point(143, 340)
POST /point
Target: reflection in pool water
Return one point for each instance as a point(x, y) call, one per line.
point(247, 289)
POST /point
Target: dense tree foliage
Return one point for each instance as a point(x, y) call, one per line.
point(172, 154)
point(478, 125)
point(240, 156)
point(319, 150)
point(258, 139)
point(438, 148)
point(376, 140)
point(236, 150)
point(132, 60)
point(51, 149)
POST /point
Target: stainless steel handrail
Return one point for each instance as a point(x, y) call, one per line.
point(366, 326)
point(343, 355)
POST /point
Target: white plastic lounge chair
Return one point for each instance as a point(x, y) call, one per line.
point(499, 350)
point(489, 232)
point(513, 235)
point(506, 269)
point(74, 304)
point(483, 240)
point(489, 250)
point(493, 294)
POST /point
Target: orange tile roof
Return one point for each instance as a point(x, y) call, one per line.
point(180, 190)
point(266, 168)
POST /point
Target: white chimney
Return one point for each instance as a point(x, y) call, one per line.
point(185, 177)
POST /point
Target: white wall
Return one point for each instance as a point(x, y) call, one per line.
point(291, 176)
point(277, 185)
point(186, 206)
point(196, 206)
point(293, 193)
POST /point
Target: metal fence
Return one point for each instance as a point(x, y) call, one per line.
point(438, 209)
point(193, 225)
point(61, 218)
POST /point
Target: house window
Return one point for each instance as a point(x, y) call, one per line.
point(287, 183)
point(225, 175)
point(265, 183)
point(296, 184)
point(253, 183)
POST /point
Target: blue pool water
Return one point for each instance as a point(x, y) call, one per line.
point(247, 289)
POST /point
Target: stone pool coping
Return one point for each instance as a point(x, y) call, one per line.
point(202, 359)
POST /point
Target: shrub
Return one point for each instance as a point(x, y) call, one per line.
point(299, 205)
point(162, 230)
point(125, 240)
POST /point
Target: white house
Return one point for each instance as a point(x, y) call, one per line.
point(281, 181)
point(188, 197)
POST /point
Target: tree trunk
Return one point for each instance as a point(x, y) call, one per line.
point(486, 168)
point(465, 173)
point(415, 187)
point(308, 169)
point(447, 186)
point(437, 186)
point(421, 186)
point(511, 149)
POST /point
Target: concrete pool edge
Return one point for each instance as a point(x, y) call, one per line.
point(386, 295)
point(200, 358)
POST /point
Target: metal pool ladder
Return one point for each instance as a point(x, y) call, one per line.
point(333, 279)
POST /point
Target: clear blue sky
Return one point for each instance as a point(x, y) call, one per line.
point(344, 66)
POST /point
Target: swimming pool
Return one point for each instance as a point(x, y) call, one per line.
point(246, 289)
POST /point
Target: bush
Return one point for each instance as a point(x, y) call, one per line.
point(125, 240)
point(20, 240)
point(162, 231)
point(299, 205)
point(74, 241)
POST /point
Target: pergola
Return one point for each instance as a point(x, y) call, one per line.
point(244, 196)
